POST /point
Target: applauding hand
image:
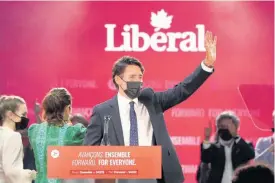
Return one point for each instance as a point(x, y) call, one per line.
point(208, 131)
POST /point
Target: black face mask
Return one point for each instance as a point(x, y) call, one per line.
point(133, 89)
point(23, 124)
point(225, 134)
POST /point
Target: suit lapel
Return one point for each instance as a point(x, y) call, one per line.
point(116, 120)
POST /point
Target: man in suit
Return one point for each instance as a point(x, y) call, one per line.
point(228, 152)
point(137, 115)
point(265, 149)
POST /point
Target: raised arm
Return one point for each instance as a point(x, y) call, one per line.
point(208, 152)
point(208, 149)
point(186, 88)
point(95, 130)
point(37, 110)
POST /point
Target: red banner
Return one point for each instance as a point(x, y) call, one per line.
point(108, 162)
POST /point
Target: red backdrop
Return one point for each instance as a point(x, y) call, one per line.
point(47, 44)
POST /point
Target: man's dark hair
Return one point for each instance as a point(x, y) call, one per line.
point(78, 118)
point(255, 173)
point(121, 64)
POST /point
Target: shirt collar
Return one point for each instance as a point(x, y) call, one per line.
point(226, 143)
point(125, 101)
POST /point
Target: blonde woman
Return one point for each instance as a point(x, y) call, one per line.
point(13, 112)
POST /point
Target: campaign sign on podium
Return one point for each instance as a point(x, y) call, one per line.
point(104, 162)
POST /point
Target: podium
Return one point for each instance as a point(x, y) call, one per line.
point(105, 164)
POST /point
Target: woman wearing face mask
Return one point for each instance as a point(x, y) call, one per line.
point(13, 112)
point(228, 152)
point(54, 131)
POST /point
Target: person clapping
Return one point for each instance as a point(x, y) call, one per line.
point(228, 152)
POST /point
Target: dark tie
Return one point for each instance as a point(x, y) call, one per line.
point(133, 125)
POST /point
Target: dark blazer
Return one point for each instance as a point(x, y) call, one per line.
point(203, 172)
point(156, 103)
point(242, 153)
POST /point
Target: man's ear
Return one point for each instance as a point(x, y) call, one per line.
point(118, 80)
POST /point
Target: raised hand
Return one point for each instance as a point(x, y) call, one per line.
point(208, 131)
point(29, 175)
point(37, 108)
point(210, 46)
point(33, 174)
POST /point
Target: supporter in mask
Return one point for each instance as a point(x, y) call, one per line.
point(13, 118)
point(228, 152)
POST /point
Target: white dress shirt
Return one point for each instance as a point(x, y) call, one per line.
point(145, 129)
point(228, 166)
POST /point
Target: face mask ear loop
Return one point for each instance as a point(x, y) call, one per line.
point(124, 81)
